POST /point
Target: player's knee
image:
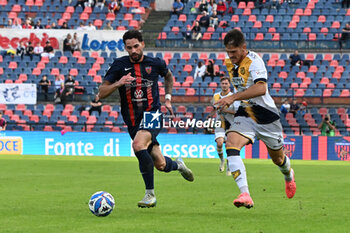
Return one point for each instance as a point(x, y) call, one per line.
point(138, 145)
point(160, 166)
point(277, 160)
point(219, 144)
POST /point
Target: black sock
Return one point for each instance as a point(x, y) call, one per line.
point(170, 165)
point(146, 168)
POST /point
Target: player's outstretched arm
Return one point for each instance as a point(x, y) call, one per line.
point(168, 84)
point(107, 88)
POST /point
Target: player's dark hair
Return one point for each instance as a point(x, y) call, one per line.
point(235, 38)
point(132, 34)
point(225, 78)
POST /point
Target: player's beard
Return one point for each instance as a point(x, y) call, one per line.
point(135, 57)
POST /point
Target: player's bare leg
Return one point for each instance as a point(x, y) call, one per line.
point(283, 162)
point(140, 144)
point(166, 164)
point(234, 143)
point(219, 146)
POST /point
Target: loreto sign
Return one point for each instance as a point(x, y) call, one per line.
point(89, 40)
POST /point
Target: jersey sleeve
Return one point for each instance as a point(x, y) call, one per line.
point(112, 73)
point(258, 71)
point(163, 68)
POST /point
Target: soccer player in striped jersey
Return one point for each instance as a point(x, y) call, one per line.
point(225, 116)
point(136, 78)
point(257, 116)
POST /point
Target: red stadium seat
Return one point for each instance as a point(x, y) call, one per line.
point(84, 16)
point(307, 30)
point(181, 109)
point(2, 107)
point(186, 56)
point(100, 60)
point(106, 108)
point(247, 11)
point(272, 30)
point(38, 2)
point(203, 56)
point(45, 60)
point(324, 80)
point(48, 128)
point(281, 63)
point(257, 24)
point(97, 79)
point(190, 91)
point(241, 5)
point(299, 92)
point(189, 79)
point(259, 36)
point(88, 10)
point(307, 12)
point(41, 65)
point(110, 16)
point(252, 18)
point(70, 9)
point(134, 24)
point(327, 57)
point(98, 23)
point(55, 71)
point(30, 3)
point(76, 54)
point(85, 113)
point(36, 71)
point(276, 37)
point(321, 19)
point(81, 60)
point(12, 65)
point(327, 92)
point(162, 36)
point(235, 18)
point(73, 72)
point(187, 68)
point(276, 86)
point(23, 77)
point(3, 2)
point(114, 114)
point(66, 17)
point(182, 18)
point(269, 18)
point(49, 107)
point(312, 36)
point(128, 16)
point(310, 57)
point(334, 63)
point(250, 5)
point(335, 24)
point(283, 74)
point(294, 85)
point(298, 12)
point(34, 118)
point(304, 85)
point(324, 30)
point(63, 60)
point(20, 107)
point(292, 24)
point(344, 93)
point(16, 8)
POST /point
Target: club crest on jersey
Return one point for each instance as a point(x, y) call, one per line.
point(148, 69)
point(242, 70)
point(342, 149)
point(289, 146)
point(138, 94)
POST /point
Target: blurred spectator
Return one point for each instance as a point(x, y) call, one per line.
point(213, 20)
point(38, 25)
point(345, 3)
point(221, 8)
point(2, 122)
point(327, 126)
point(64, 26)
point(54, 25)
point(203, 6)
point(67, 43)
point(75, 42)
point(96, 105)
point(212, 7)
point(187, 35)
point(275, 4)
point(20, 51)
point(61, 95)
point(16, 25)
point(200, 71)
point(345, 35)
point(108, 26)
point(9, 23)
point(48, 50)
point(81, 26)
point(115, 6)
point(210, 71)
point(294, 107)
point(27, 24)
point(295, 59)
point(38, 49)
point(48, 24)
point(30, 50)
point(285, 107)
point(58, 82)
point(81, 3)
point(204, 20)
point(178, 6)
point(90, 27)
point(69, 84)
point(196, 31)
point(44, 85)
point(303, 108)
point(100, 3)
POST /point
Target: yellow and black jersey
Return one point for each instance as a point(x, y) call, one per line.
point(225, 118)
point(251, 70)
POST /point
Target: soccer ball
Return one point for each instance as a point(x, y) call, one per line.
point(101, 203)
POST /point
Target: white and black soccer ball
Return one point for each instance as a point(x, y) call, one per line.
point(101, 203)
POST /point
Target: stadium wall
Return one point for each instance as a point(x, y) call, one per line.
point(173, 145)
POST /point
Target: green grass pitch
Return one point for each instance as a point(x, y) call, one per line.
point(50, 194)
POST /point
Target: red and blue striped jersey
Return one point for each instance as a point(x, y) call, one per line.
point(143, 93)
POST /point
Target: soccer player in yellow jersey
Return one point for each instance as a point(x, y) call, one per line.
point(225, 116)
point(257, 116)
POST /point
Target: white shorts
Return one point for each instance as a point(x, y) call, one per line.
point(271, 134)
point(220, 133)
